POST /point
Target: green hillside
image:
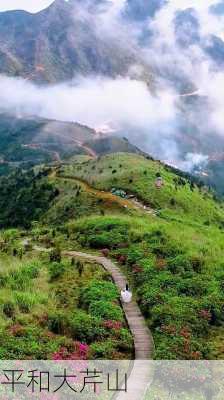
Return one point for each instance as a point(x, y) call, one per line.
point(173, 254)
point(179, 198)
point(25, 142)
point(50, 310)
point(168, 241)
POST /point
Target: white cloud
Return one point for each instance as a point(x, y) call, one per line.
point(192, 64)
point(151, 121)
point(209, 24)
point(92, 101)
point(193, 160)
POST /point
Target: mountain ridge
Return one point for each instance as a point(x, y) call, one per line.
point(54, 45)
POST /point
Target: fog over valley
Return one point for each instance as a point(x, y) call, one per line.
point(152, 73)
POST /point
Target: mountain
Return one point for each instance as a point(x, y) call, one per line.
point(66, 188)
point(142, 9)
point(22, 136)
point(56, 44)
point(187, 27)
point(29, 141)
point(215, 49)
point(68, 39)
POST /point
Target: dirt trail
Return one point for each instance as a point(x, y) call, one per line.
point(132, 203)
point(53, 153)
point(88, 149)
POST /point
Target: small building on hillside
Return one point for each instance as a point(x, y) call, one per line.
point(159, 182)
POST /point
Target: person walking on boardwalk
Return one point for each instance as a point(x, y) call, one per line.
point(126, 295)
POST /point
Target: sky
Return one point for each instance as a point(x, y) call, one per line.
point(28, 5)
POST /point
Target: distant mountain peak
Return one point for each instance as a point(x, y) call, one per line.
point(58, 4)
point(55, 45)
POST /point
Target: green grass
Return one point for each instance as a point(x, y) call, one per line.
point(137, 175)
point(178, 254)
point(178, 276)
point(74, 201)
point(174, 260)
point(44, 315)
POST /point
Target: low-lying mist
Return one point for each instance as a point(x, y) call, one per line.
point(178, 116)
point(117, 105)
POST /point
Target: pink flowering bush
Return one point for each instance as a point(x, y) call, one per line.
point(79, 352)
point(110, 324)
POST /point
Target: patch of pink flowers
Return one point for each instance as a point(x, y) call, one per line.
point(112, 324)
point(80, 352)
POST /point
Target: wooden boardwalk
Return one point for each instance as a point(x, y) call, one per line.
point(140, 370)
point(143, 341)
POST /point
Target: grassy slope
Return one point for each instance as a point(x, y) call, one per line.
point(178, 254)
point(174, 258)
point(136, 175)
point(48, 309)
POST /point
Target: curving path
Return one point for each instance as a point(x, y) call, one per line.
point(140, 375)
point(140, 371)
point(143, 341)
point(130, 203)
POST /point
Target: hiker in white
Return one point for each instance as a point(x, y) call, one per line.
point(126, 295)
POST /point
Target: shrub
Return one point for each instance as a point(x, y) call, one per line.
point(125, 340)
point(14, 252)
point(105, 239)
point(31, 270)
point(197, 263)
point(80, 268)
point(134, 254)
point(79, 351)
point(110, 324)
point(25, 301)
point(194, 286)
point(22, 279)
point(96, 290)
point(102, 350)
point(106, 310)
point(58, 322)
point(17, 330)
point(179, 264)
point(56, 270)
point(3, 280)
point(121, 259)
point(55, 255)
point(9, 309)
point(150, 296)
point(180, 312)
point(84, 327)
